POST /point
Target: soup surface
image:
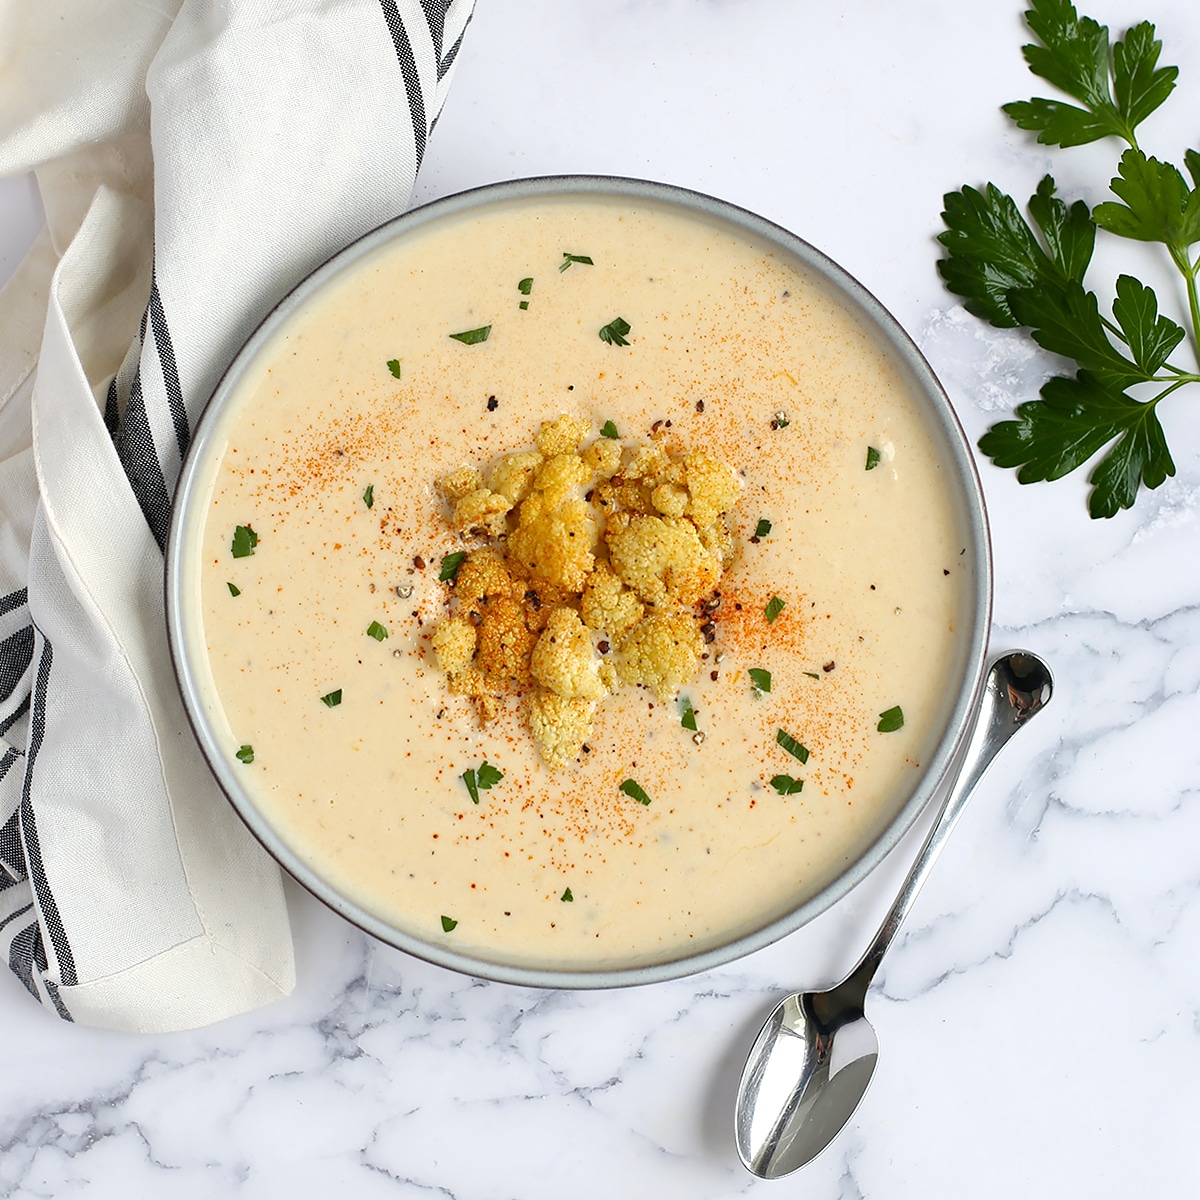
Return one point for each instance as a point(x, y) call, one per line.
point(317, 614)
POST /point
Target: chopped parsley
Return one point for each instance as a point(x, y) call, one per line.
point(377, 631)
point(634, 790)
point(785, 785)
point(485, 778)
point(762, 528)
point(792, 746)
point(872, 458)
point(369, 496)
point(688, 720)
point(472, 337)
point(245, 754)
point(891, 720)
point(566, 897)
point(812, 674)
point(568, 259)
point(774, 607)
point(448, 923)
point(393, 365)
point(234, 590)
point(244, 541)
point(760, 679)
point(332, 699)
point(609, 430)
point(614, 332)
point(523, 304)
point(450, 565)
point(526, 285)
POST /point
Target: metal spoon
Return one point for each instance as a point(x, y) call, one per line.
point(814, 1058)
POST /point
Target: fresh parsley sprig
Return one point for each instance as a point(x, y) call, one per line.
point(1012, 273)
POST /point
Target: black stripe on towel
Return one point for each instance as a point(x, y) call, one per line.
point(139, 457)
point(435, 14)
point(444, 64)
point(16, 653)
point(13, 600)
point(33, 850)
point(166, 357)
point(408, 69)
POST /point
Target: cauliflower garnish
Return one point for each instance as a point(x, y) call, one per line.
point(596, 569)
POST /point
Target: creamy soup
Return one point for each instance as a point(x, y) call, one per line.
point(317, 613)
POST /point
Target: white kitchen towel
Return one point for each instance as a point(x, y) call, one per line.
point(196, 161)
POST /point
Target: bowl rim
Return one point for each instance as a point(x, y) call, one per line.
point(859, 301)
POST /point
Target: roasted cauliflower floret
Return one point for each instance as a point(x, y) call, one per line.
point(482, 573)
point(564, 661)
point(712, 486)
point(662, 652)
point(557, 476)
point(646, 462)
point(670, 499)
point(512, 476)
point(504, 645)
point(454, 485)
point(556, 545)
point(608, 604)
point(603, 457)
point(562, 436)
point(560, 725)
point(661, 558)
point(483, 510)
point(454, 644)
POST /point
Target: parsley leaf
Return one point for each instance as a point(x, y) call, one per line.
point(566, 897)
point(450, 565)
point(332, 699)
point(1159, 206)
point(472, 337)
point(634, 790)
point(760, 679)
point(609, 430)
point(393, 365)
point(244, 541)
point(245, 754)
point(785, 785)
point(762, 528)
point(614, 332)
point(774, 607)
point(872, 458)
point(526, 285)
point(485, 778)
point(377, 631)
point(891, 720)
point(688, 719)
point(234, 590)
point(792, 746)
point(448, 923)
point(369, 496)
point(568, 259)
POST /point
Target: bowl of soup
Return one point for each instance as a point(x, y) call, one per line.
point(739, 570)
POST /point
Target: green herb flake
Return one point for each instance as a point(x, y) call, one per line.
point(377, 631)
point(369, 496)
point(234, 590)
point(812, 674)
point(774, 607)
point(448, 924)
point(245, 754)
point(472, 337)
point(634, 790)
point(614, 332)
point(792, 746)
point(568, 259)
point(760, 679)
point(891, 720)
point(785, 785)
point(393, 365)
point(526, 285)
point(244, 541)
point(566, 897)
point(688, 719)
point(872, 458)
point(523, 304)
point(609, 430)
point(762, 528)
point(450, 565)
point(332, 699)
point(485, 778)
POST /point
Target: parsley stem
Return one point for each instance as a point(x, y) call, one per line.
point(1180, 257)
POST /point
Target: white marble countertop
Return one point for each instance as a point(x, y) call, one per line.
point(1039, 1016)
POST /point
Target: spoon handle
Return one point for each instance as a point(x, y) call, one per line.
point(1016, 686)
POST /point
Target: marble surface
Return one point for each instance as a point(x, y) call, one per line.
point(1040, 1016)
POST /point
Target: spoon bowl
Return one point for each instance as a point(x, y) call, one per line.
point(812, 1062)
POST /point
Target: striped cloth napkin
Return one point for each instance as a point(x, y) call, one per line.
point(195, 161)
